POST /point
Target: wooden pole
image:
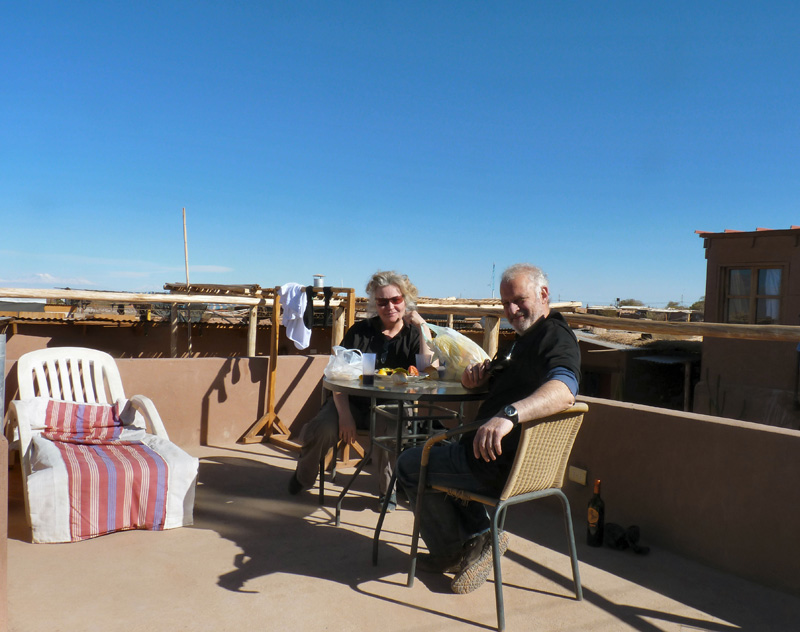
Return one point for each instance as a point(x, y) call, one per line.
point(338, 328)
point(491, 335)
point(274, 430)
point(350, 319)
point(252, 328)
point(188, 306)
point(173, 331)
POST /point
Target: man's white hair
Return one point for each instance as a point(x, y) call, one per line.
point(533, 273)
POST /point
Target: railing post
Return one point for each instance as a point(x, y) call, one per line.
point(337, 331)
point(252, 328)
point(173, 330)
point(491, 335)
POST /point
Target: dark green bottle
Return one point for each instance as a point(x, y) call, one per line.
point(597, 515)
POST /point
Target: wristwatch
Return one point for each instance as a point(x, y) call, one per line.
point(511, 412)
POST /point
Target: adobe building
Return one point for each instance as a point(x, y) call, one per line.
point(752, 278)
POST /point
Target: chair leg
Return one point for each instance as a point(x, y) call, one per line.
point(576, 574)
point(498, 521)
point(322, 481)
point(421, 488)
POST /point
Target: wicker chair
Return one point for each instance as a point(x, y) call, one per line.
point(538, 471)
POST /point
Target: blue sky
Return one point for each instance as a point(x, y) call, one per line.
point(441, 139)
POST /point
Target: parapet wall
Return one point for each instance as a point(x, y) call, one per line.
point(214, 401)
point(717, 490)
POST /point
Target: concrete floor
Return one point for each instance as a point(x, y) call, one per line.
point(258, 559)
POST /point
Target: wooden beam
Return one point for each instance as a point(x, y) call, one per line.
point(127, 297)
point(788, 333)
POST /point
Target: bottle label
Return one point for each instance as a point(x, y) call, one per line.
point(594, 517)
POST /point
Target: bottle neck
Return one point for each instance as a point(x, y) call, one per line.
point(597, 487)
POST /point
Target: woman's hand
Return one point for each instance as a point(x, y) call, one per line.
point(347, 425)
point(347, 428)
point(476, 375)
point(412, 317)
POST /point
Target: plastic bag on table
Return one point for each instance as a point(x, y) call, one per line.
point(454, 350)
point(344, 364)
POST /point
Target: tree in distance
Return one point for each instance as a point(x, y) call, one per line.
point(700, 305)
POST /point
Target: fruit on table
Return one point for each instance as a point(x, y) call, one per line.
point(431, 371)
point(386, 371)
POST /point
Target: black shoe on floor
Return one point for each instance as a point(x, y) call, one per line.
point(295, 487)
point(428, 563)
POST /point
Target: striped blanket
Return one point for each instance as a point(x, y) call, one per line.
point(114, 485)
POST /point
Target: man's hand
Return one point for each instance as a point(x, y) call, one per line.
point(487, 443)
point(476, 375)
point(347, 427)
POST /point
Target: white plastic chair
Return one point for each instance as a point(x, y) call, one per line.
point(85, 376)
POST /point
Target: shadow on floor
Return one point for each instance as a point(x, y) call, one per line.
point(246, 502)
point(662, 572)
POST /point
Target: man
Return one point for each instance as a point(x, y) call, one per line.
point(536, 377)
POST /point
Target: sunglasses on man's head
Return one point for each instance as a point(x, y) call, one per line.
point(383, 302)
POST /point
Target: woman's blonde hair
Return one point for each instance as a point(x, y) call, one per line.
point(382, 278)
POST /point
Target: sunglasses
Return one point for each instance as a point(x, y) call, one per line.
point(383, 302)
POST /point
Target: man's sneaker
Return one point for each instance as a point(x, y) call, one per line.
point(477, 563)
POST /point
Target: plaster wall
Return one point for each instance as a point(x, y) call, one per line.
point(214, 401)
point(218, 397)
point(750, 380)
point(717, 490)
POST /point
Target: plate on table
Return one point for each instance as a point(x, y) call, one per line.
point(401, 378)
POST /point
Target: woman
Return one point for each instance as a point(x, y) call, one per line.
point(395, 335)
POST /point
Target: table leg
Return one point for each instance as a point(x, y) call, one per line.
point(361, 465)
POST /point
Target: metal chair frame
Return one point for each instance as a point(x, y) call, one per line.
point(523, 484)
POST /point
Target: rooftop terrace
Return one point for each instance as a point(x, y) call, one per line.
point(715, 499)
point(258, 559)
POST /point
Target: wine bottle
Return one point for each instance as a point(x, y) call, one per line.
point(597, 511)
